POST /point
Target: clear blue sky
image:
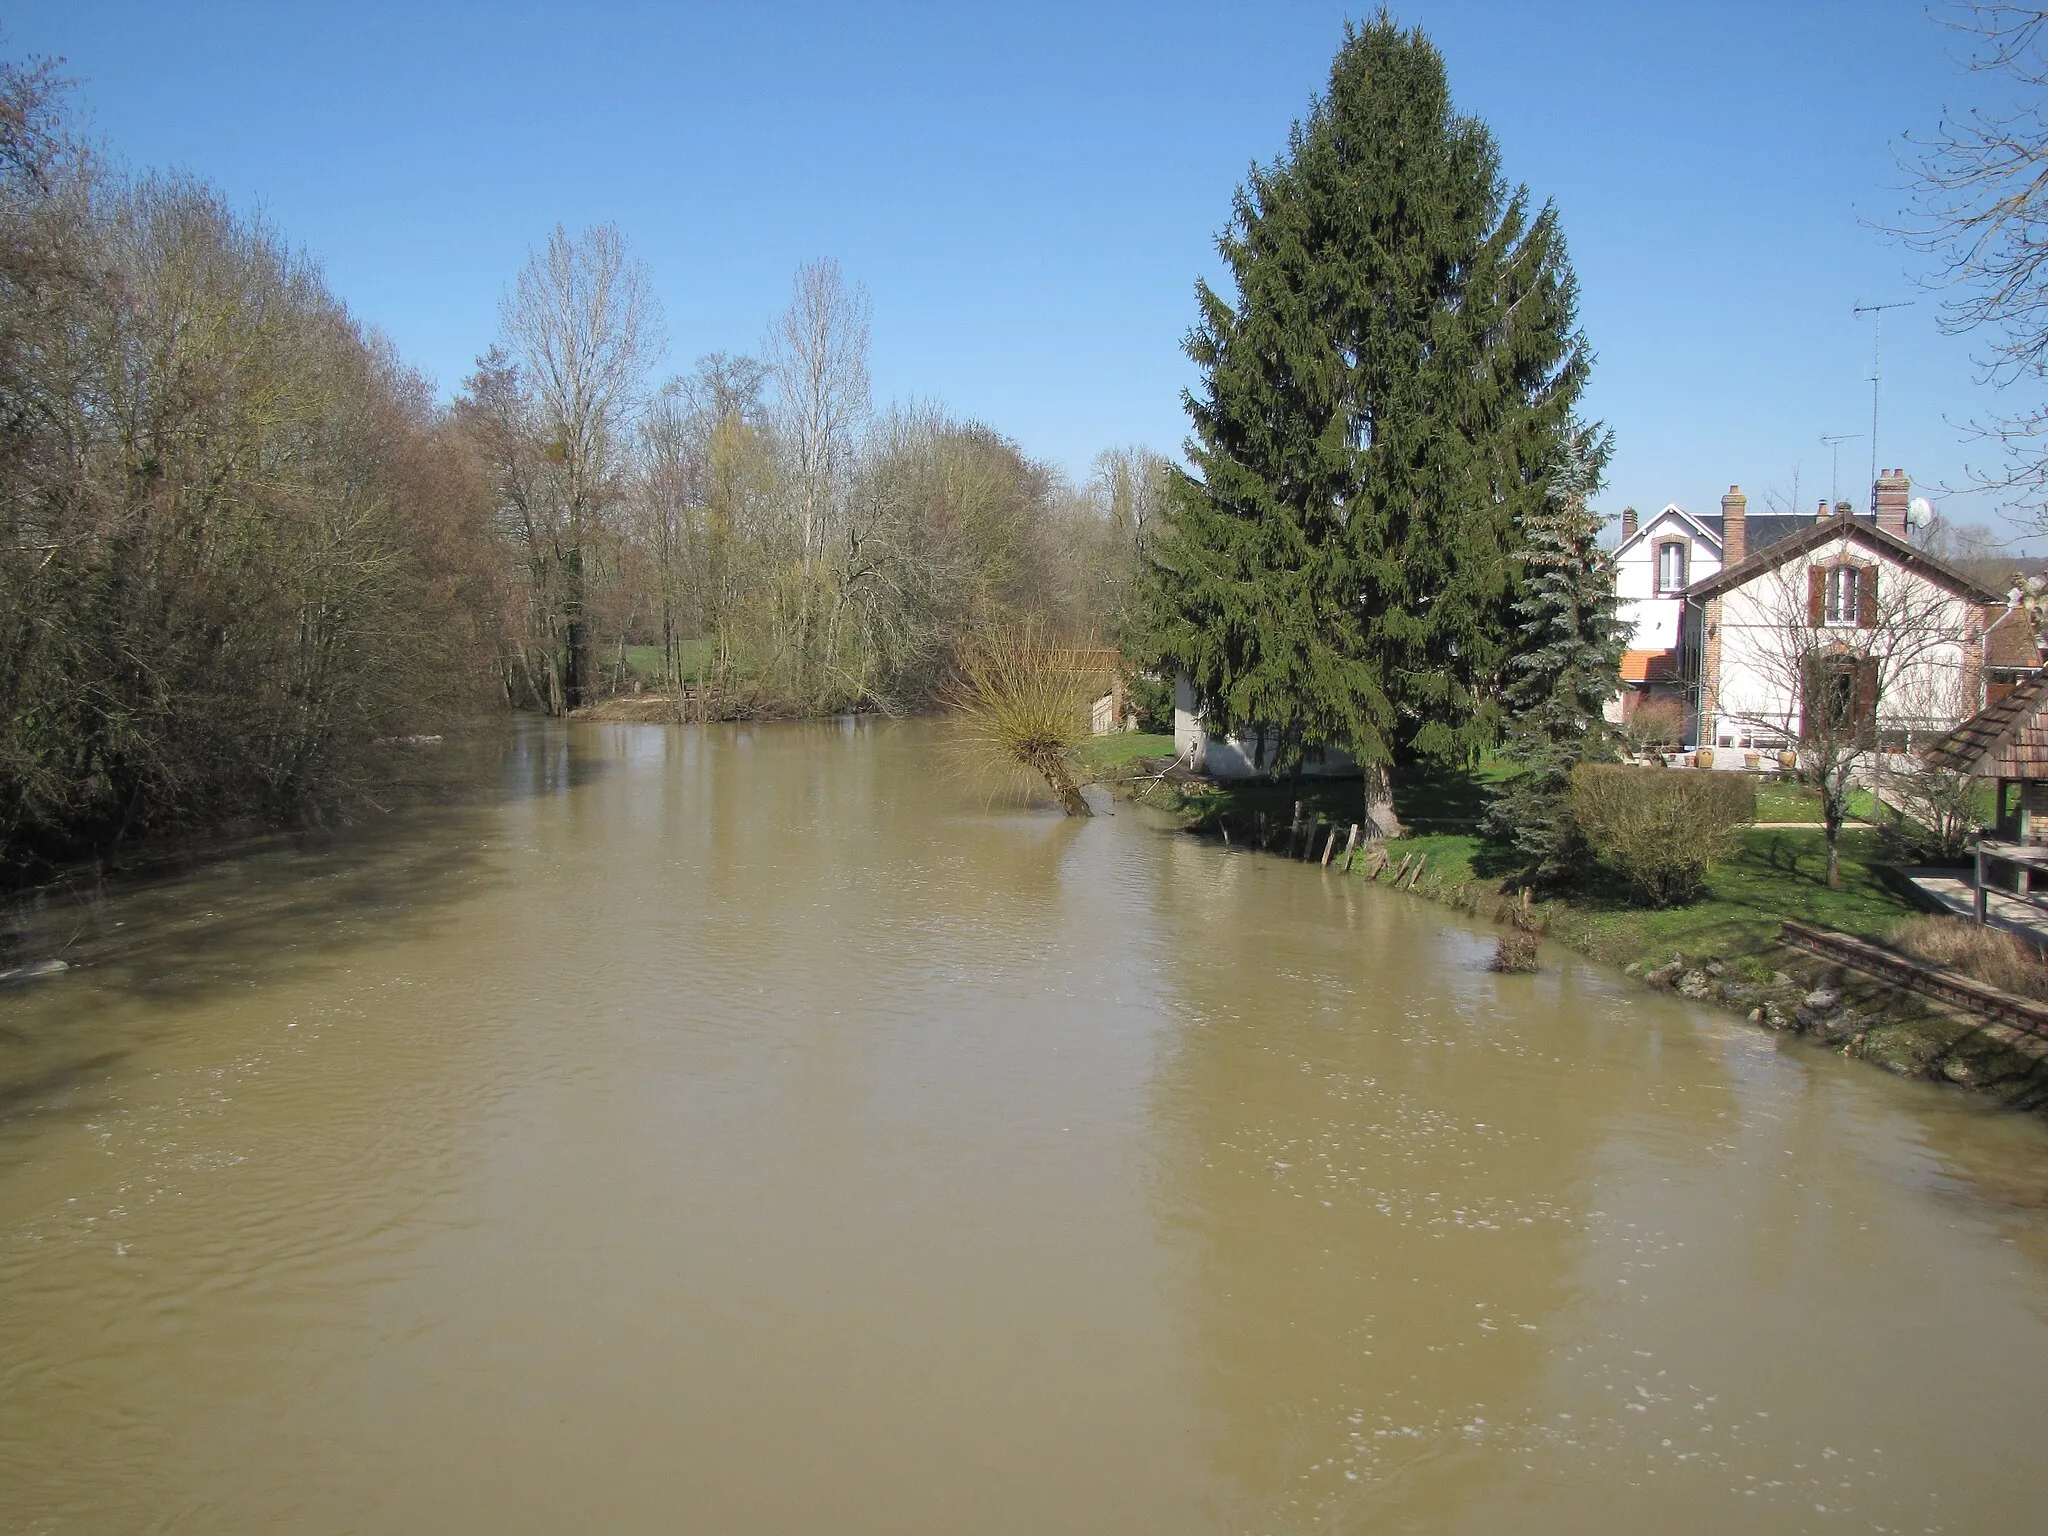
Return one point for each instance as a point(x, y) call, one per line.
point(1029, 192)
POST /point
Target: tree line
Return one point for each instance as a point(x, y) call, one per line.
point(246, 551)
point(784, 544)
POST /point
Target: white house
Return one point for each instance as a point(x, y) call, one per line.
point(1654, 564)
point(1842, 602)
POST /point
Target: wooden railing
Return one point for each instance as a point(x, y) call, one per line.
point(1935, 981)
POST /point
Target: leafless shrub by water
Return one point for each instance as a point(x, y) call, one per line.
point(1515, 953)
point(1019, 703)
point(1992, 955)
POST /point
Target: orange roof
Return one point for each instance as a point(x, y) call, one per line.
point(1649, 666)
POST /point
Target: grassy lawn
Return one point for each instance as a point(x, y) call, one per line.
point(1105, 754)
point(1795, 802)
point(1774, 874)
point(646, 659)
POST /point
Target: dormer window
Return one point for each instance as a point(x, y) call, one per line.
point(1671, 566)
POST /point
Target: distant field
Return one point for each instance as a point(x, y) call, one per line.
point(646, 659)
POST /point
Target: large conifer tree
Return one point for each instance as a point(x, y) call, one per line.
point(1379, 409)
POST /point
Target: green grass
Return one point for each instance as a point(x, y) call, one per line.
point(1773, 875)
point(1795, 802)
point(1104, 754)
point(646, 659)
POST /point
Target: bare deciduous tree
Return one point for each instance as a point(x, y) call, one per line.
point(818, 350)
point(236, 545)
point(582, 324)
point(1980, 185)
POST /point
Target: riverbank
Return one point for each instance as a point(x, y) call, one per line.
point(1724, 948)
point(448, 766)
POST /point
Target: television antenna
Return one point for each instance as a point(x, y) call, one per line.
point(1876, 375)
point(1832, 441)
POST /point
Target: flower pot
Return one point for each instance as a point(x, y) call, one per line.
point(1704, 757)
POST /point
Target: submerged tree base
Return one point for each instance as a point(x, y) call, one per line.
point(1022, 703)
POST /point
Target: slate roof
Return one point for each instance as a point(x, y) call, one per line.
point(1763, 531)
point(1759, 531)
point(2005, 740)
point(1815, 532)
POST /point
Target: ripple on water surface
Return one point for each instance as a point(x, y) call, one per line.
point(746, 1129)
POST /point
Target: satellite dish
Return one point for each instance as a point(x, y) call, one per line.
point(1920, 513)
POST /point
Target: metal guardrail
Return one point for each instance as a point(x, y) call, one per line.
point(1935, 981)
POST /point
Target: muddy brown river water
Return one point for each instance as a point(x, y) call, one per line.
point(748, 1130)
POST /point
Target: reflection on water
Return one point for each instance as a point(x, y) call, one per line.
point(738, 1129)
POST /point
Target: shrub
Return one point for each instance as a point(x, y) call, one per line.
point(1515, 953)
point(1992, 955)
point(1150, 698)
point(1655, 725)
point(1660, 831)
point(1941, 807)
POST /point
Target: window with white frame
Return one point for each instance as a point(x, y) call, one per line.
point(1671, 566)
point(1844, 596)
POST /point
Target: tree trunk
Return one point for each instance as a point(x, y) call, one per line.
point(1834, 834)
point(1053, 769)
point(574, 640)
point(1379, 801)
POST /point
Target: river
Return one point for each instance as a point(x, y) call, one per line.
point(754, 1130)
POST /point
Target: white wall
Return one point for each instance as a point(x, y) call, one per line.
point(1236, 757)
point(1929, 678)
point(1656, 619)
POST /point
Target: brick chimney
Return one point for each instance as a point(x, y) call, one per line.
point(1825, 511)
point(1891, 496)
point(1843, 509)
point(1628, 524)
point(1734, 526)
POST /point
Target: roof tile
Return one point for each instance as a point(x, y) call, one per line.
point(2005, 740)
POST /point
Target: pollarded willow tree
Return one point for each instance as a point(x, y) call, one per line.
point(1380, 409)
